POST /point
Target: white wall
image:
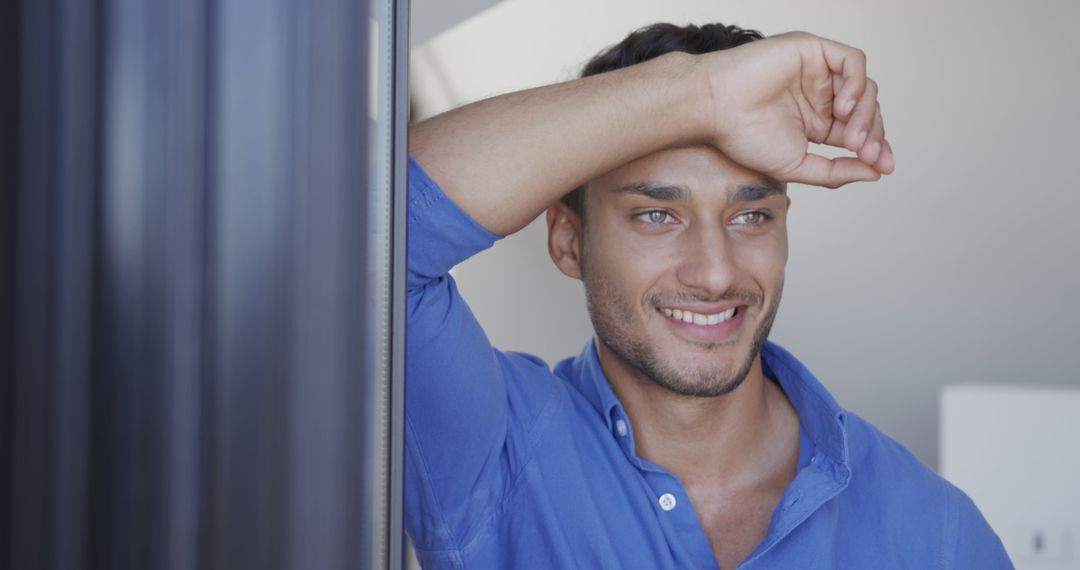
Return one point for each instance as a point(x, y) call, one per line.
point(961, 267)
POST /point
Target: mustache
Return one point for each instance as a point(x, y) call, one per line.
point(744, 296)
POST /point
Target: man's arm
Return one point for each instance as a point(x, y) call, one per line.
point(505, 159)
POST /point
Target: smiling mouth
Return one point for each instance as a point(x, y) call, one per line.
point(699, 318)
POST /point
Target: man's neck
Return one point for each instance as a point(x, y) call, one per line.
point(740, 439)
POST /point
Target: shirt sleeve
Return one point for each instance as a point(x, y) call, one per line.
point(468, 407)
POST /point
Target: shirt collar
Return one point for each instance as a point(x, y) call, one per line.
point(584, 372)
point(822, 418)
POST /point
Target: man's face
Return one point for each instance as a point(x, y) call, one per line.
point(683, 261)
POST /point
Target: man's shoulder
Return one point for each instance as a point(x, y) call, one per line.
point(880, 462)
point(890, 479)
point(880, 466)
point(890, 484)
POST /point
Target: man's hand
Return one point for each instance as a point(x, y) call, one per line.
point(772, 97)
point(505, 159)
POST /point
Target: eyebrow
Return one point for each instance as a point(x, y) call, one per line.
point(757, 191)
point(665, 192)
point(655, 191)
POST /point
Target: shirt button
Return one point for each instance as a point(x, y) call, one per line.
point(667, 501)
point(620, 427)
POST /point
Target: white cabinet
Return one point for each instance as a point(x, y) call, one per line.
point(1016, 451)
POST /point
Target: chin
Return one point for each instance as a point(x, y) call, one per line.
point(707, 380)
point(705, 386)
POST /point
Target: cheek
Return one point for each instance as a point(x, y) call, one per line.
point(627, 258)
point(763, 259)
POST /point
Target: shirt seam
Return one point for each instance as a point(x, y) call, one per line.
point(419, 453)
point(499, 509)
point(535, 424)
point(515, 480)
point(954, 528)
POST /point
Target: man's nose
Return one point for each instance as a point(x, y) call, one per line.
point(707, 263)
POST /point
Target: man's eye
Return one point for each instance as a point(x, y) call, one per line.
point(656, 217)
point(751, 218)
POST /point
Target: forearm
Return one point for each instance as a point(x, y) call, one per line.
point(505, 159)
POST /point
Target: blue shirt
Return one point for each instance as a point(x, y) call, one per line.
point(510, 465)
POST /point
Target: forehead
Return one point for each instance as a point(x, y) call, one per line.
point(702, 170)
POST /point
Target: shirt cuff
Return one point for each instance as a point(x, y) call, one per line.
point(440, 233)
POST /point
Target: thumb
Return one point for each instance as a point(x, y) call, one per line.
point(832, 172)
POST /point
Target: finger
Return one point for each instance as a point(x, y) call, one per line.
point(832, 173)
point(871, 149)
point(886, 163)
point(819, 87)
point(836, 134)
point(850, 64)
point(862, 118)
point(838, 86)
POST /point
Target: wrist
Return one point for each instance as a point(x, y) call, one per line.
point(690, 105)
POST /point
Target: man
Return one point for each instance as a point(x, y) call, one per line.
point(680, 437)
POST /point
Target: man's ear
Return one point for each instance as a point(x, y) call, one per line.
point(564, 239)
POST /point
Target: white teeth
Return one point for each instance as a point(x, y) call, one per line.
point(698, 318)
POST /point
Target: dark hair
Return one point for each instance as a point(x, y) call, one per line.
point(653, 41)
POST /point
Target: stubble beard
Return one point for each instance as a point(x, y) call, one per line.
point(613, 320)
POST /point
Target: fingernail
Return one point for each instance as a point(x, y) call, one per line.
point(860, 139)
point(875, 150)
point(848, 106)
